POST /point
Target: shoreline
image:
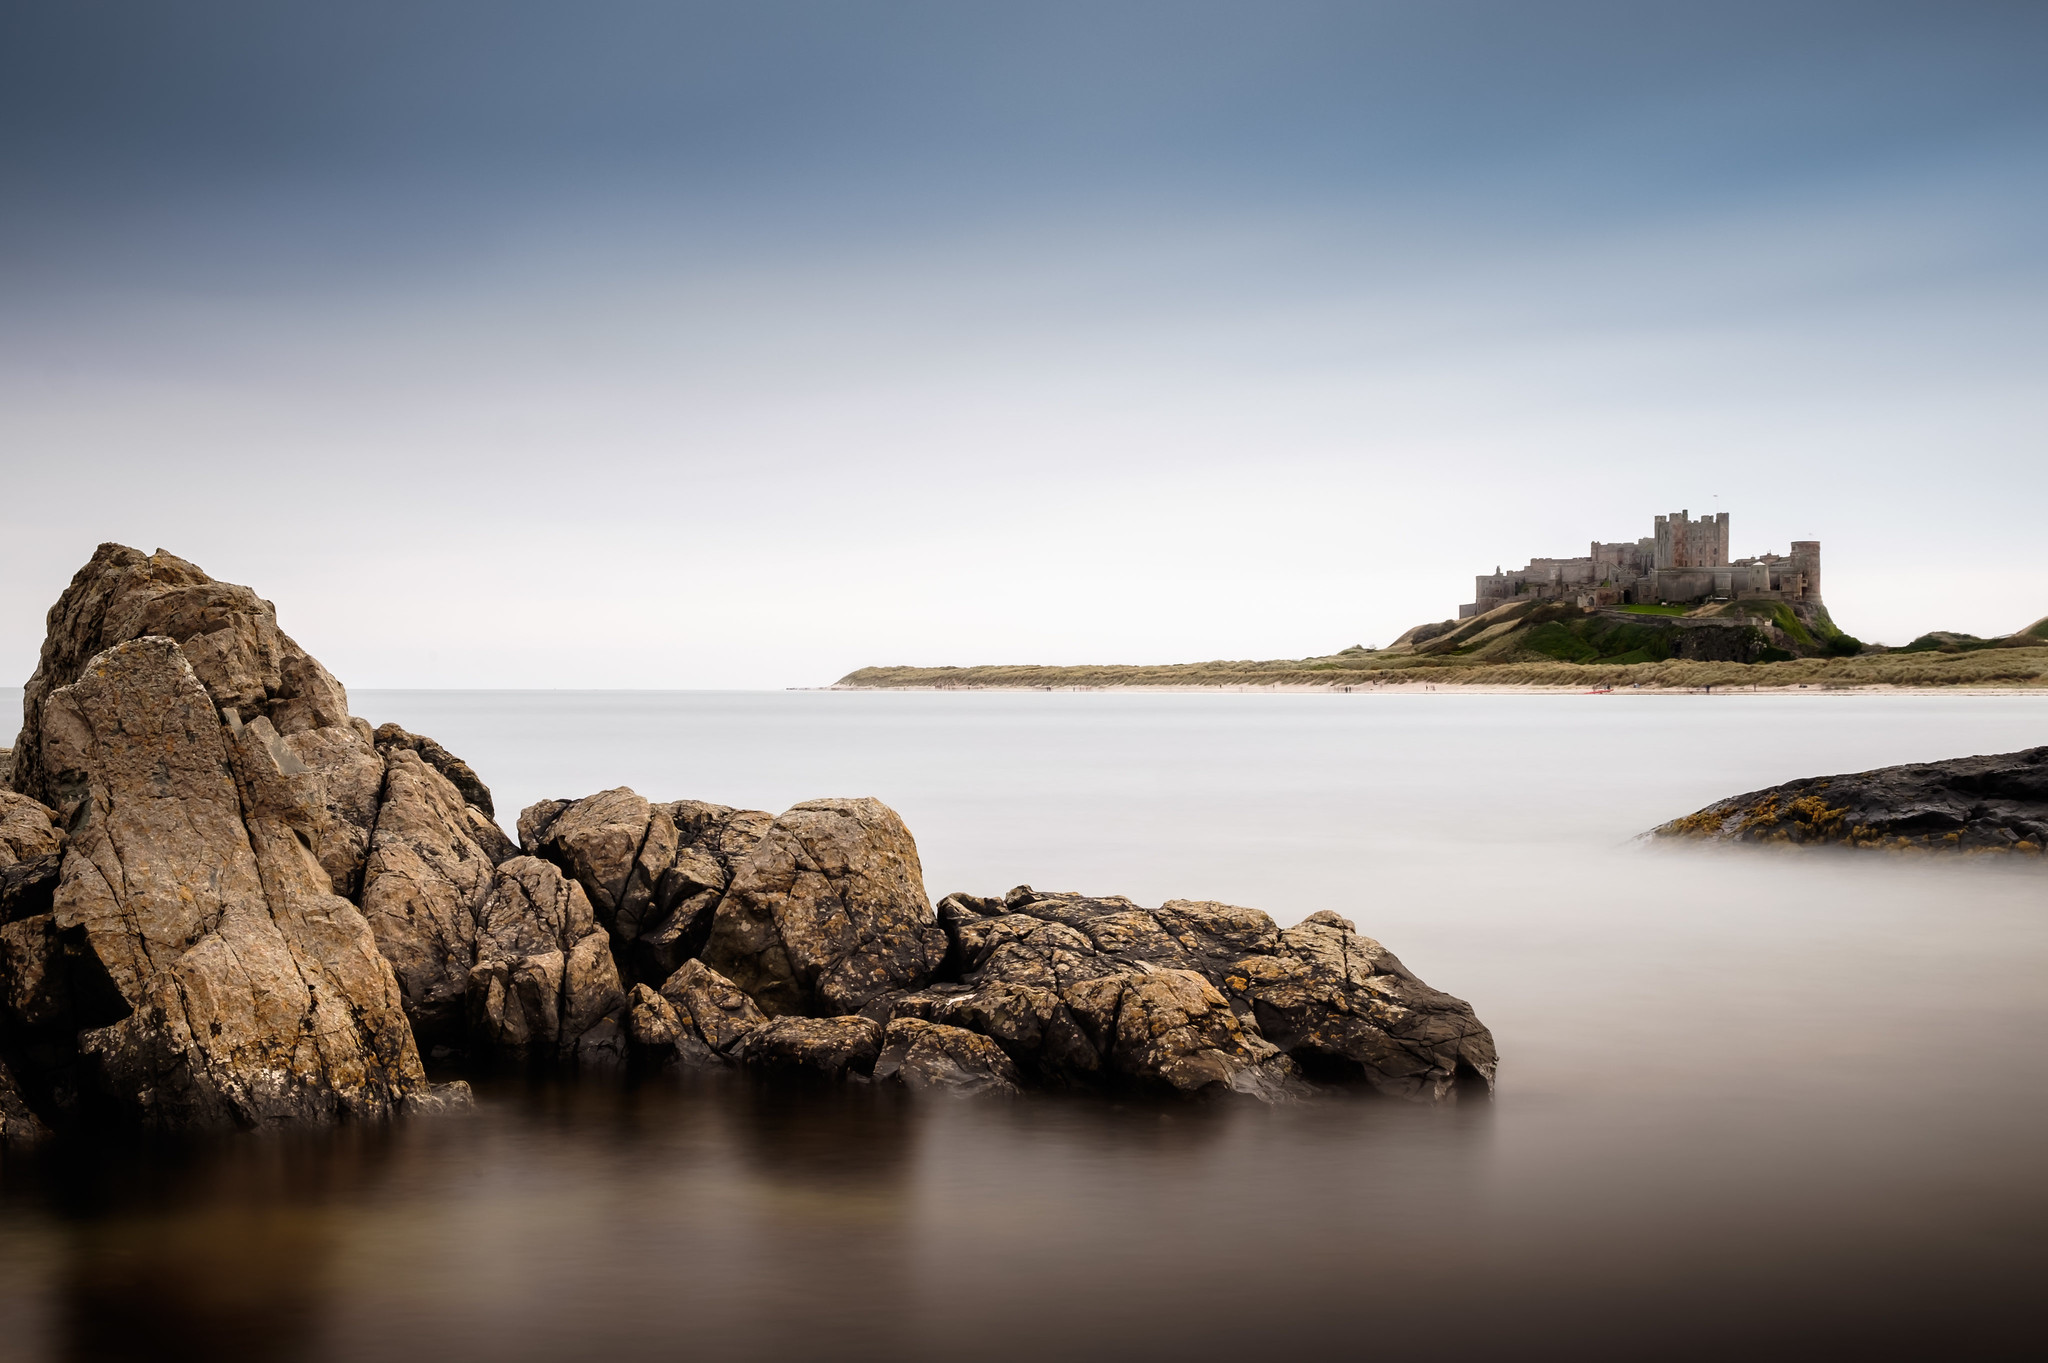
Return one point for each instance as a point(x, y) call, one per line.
point(1485, 689)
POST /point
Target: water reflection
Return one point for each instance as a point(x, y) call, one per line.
point(1750, 1105)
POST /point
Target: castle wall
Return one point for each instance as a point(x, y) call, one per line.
point(1683, 562)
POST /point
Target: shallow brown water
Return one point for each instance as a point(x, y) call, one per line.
point(1768, 1105)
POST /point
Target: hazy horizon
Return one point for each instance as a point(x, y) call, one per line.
point(708, 346)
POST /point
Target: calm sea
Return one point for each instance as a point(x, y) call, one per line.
point(1750, 1104)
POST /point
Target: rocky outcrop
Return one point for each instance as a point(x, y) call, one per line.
point(826, 1048)
point(655, 873)
point(391, 738)
point(828, 912)
point(430, 868)
point(214, 977)
point(225, 902)
point(1194, 996)
point(698, 1019)
point(1992, 804)
point(543, 985)
point(929, 1056)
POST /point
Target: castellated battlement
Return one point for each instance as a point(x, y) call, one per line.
point(1683, 562)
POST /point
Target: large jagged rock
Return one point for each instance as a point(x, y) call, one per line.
point(828, 912)
point(391, 738)
point(829, 1048)
point(928, 1057)
point(432, 864)
point(655, 873)
point(698, 1019)
point(217, 978)
point(1344, 1007)
point(1194, 996)
point(544, 985)
point(327, 770)
point(1966, 804)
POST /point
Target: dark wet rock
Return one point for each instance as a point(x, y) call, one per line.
point(230, 985)
point(828, 912)
point(544, 985)
point(28, 888)
point(1194, 996)
point(832, 1048)
point(930, 1056)
point(655, 873)
point(20, 1128)
point(391, 738)
point(1994, 803)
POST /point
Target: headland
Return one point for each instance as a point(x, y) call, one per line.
point(1668, 612)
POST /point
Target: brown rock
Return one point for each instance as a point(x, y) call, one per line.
point(1077, 989)
point(834, 1048)
point(391, 738)
point(325, 768)
point(927, 1056)
point(828, 913)
point(19, 1127)
point(28, 829)
point(719, 1011)
point(543, 984)
point(1346, 1008)
point(31, 854)
point(255, 995)
point(654, 873)
point(423, 887)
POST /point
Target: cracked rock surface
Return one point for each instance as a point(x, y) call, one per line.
point(828, 912)
point(227, 903)
point(1987, 804)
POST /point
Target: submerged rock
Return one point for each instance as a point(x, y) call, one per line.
point(1966, 804)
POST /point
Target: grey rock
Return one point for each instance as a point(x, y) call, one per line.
point(1996, 804)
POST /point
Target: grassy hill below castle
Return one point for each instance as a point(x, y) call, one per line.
point(1743, 643)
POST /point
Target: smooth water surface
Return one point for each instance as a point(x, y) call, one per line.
point(1754, 1102)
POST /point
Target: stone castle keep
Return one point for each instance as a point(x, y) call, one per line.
point(1685, 562)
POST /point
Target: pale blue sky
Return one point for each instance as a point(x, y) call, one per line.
point(665, 344)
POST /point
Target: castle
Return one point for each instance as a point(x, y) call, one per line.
point(1684, 563)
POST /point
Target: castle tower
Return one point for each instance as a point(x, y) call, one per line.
point(1805, 558)
point(1683, 542)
